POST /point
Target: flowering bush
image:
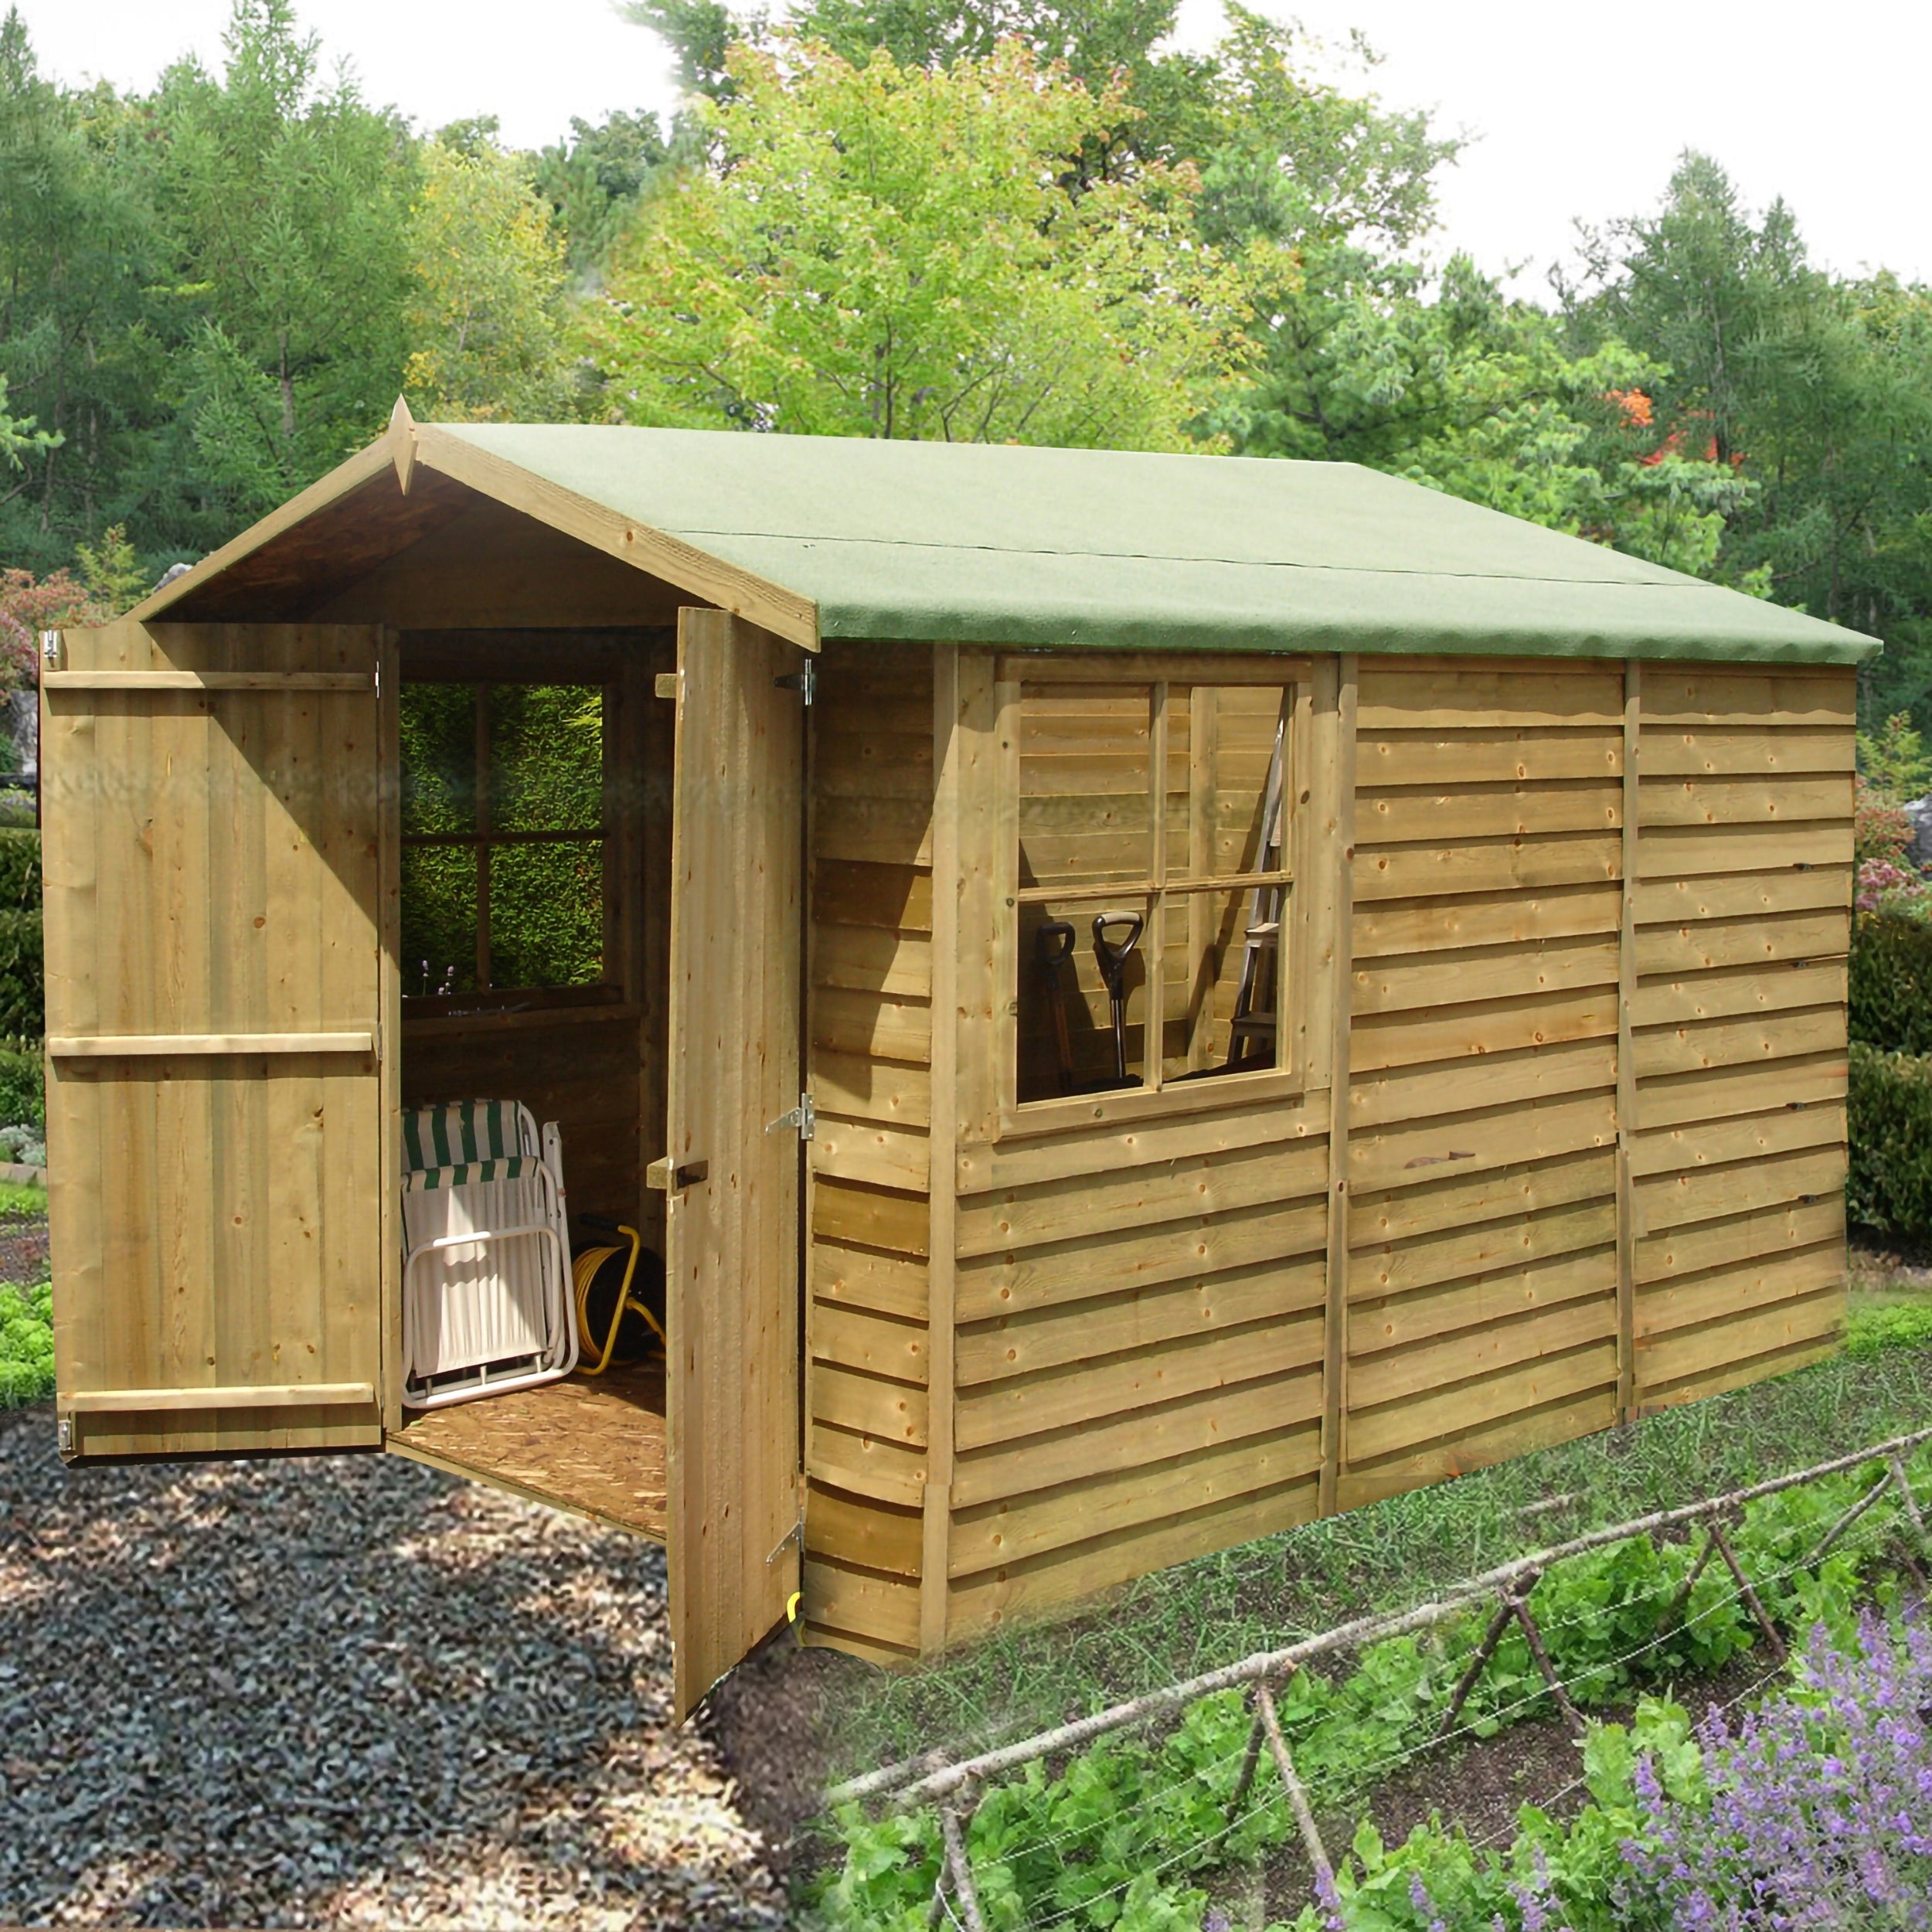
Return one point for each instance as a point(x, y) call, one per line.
point(1820, 1805)
point(1880, 829)
point(1881, 886)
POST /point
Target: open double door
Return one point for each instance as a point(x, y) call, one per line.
point(219, 810)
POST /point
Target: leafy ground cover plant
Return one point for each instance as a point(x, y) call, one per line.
point(1116, 1838)
point(26, 1344)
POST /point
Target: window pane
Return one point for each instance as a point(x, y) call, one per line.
point(546, 914)
point(1083, 785)
point(439, 758)
point(1068, 1042)
point(546, 759)
point(1223, 961)
point(1221, 743)
point(439, 917)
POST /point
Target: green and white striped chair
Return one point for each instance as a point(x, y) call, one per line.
point(486, 1275)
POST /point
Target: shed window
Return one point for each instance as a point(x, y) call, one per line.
point(503, 839)
point(1155, 879)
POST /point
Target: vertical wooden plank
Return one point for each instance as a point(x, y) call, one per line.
point(735, 1460)
point(1202, 749)
point(986, 867)
point(389, 738)
point(657, 738)
point(1626, 1057)
point(935, 1553)
point(1300, 1017)
point(1317, 876)
point(1341, 812)
point(1154, 942)
point(1003, 834)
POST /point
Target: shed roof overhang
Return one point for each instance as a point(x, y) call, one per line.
point(826, 537)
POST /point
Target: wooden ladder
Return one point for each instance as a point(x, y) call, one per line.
point(1251, 1032)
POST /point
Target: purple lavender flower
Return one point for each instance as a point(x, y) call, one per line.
point(1820, 1807)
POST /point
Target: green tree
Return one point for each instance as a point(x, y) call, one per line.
point(485, 314)
point(287, 203)
point(595, 181)
point(891, 251)
point(1818, 391)
point(78, 259)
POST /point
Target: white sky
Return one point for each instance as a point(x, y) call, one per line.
point(1578, 111)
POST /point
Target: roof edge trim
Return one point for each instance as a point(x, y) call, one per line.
point(345, 477)
point(757, 599)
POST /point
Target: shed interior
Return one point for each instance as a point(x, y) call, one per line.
point(535, 768)
point(534, 901)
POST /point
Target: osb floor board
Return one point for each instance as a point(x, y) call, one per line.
point(596, 1445)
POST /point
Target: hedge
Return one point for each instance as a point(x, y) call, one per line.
point(23, 996)
point(23, 1095)
point(1890, 982)
point(1890, 1129)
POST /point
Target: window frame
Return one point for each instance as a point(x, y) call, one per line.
point(482, 679)
point(1288, 1079)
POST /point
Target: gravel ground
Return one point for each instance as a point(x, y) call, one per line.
point(347, 1691)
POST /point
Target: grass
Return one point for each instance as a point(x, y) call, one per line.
point(1399, 1552)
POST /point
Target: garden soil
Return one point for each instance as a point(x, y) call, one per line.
point(349, 1691)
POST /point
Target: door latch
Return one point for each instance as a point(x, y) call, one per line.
point(803, 1116)
point(804, 681)
point(668, 1178)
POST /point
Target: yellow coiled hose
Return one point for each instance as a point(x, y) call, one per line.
point(584, 1271)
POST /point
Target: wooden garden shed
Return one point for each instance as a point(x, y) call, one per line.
point(1476, 1078)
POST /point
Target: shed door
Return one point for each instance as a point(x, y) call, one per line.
point(210, 810)
point(733, 1232)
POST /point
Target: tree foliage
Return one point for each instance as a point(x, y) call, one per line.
point(1027, 218)
point(897, 251)
point(484, 310)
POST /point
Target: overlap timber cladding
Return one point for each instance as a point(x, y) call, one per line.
point(871, 1057)
point(1481, 1197)
point(1737, 1154)
point(1141, 1339)
point(1483, 1282)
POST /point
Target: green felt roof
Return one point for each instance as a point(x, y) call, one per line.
point(1107, 549)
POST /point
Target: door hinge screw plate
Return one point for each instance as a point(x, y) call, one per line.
point(803, 1116)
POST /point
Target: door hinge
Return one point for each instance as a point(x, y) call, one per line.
point(804, 681)
point(795, 1534)
point(804, 1117)
point(64, 1435)
point(50, 642)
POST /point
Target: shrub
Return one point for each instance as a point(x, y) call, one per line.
point(22, 984)
point(1879, 827)
point(1890, 982)
point(1890, 1129)
point(23, 1096)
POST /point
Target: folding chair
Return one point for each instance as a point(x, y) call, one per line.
point(486, 1274)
